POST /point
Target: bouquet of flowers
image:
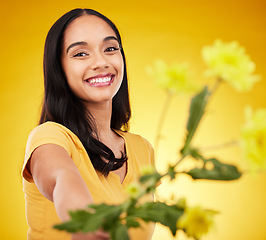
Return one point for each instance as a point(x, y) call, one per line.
point(227, 62)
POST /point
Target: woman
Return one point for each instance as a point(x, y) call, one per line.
point(78, 154)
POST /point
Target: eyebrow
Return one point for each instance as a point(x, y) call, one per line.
point(82, 43)
point(110, 38)
point(75, 44)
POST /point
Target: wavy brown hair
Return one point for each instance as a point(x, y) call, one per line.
point(60, 105)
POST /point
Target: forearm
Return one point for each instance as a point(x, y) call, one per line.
point(70, 193)
point(59, 180)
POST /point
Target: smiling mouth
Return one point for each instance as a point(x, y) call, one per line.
point(100, 81)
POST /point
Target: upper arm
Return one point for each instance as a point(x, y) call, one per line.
point(47, 133)
point(48, 163)
point(58, 179)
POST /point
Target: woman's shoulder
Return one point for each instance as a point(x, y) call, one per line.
point(49, 125)
point(51, 129)
point(52, 132)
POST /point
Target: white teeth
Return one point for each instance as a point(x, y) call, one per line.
point(100, 80)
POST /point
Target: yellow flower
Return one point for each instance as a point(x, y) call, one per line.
point(196, 221)
point(134, 189)
point(229, 62)
point(174, 78)
point(253, 138)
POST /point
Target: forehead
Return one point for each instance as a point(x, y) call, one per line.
point(86, 28)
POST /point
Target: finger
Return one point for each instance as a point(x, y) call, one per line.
point(99, 235)
point(102, 234)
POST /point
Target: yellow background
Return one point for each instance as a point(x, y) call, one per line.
point(170, 30)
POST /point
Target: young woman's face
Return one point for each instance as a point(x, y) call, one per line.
point(91, 59)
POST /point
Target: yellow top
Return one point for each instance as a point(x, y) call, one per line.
point(40, 212)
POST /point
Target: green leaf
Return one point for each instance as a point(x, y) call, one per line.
point(70, 226)
point(196, 111)
point(105, 215)
point(112, 218)
point(131, 222)
point(194, 152)
point(119, 232)
point(76, 223)
point(91, 219)
point(79, 215)
point(147, 177)
point(92, 224)
point(172, 213)
point(217, 171)
point(158, 212)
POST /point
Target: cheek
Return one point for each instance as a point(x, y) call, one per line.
point(119, 64)
point(74, 73)
point(72, 70)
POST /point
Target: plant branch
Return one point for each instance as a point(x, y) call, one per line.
point(222, 145)
point(179, 161)
point(162, 118)
point(197, 110)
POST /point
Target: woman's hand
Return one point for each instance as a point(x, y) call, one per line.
point(98, 235)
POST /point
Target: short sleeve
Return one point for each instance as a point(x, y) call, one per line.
point(148, 147)
point(151, 156)
point(47, 133)
point(153, 161)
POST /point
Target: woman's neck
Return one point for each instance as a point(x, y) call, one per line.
point(102, 113)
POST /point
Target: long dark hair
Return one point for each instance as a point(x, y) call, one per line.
point(62, 106)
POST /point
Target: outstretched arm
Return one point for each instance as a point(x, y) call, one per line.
point(58, 179)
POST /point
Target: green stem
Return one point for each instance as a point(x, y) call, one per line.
point(126, 205)
point(161, 121)
point(179, 161)
point(215, 87)
point(223, 145)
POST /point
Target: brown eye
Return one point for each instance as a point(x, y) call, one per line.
point(80, 54)
point(111, 49)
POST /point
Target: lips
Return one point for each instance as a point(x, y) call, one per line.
point(100, 80)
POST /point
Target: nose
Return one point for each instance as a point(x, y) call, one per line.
point(98, 61)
